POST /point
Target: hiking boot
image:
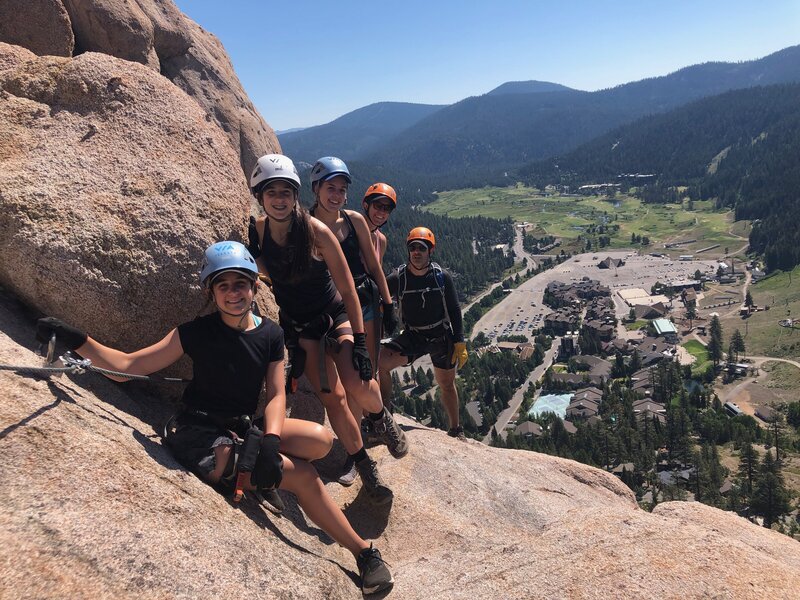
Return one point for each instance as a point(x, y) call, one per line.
point(391, 435)
point(368, 434)
point(456, 432)
point(349, 472)
point(375, 576)
point(270, 500)
point(374, 487)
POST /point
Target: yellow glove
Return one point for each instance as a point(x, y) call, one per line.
point(459, 354)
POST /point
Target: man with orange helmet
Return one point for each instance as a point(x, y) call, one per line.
point(432, 324)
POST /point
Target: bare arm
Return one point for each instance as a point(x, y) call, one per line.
point(331, 252)
point(142, 362)
point(262, 268)
point(368, 255)
point(275, 410)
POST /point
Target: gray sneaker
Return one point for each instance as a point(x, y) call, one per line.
point(374, 487)
point(375, 576)
point(391, 435)
point(349, 472)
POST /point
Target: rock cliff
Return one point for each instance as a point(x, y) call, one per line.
point(156, 34)
point(92, 505)
point(112, 182)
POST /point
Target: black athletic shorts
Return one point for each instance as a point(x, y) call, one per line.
point(414, 345)
point(193, 442)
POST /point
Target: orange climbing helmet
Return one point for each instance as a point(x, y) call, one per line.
point(421, 234)
point(378, 190)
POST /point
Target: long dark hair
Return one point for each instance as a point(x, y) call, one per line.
point(302, 240)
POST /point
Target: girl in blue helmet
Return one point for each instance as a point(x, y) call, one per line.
point(320, 315)
point(218, 436)
point(330, 180)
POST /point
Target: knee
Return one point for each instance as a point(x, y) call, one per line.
point(324, 439)
point(335, 400)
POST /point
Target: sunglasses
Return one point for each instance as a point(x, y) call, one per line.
point(380, 206)
point(418, 246)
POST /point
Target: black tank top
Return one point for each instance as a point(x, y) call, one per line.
point(304, 299)
point(352, 251)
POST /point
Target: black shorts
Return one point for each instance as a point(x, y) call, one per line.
point(292, 328)
point(193, 442)
point(414, 345)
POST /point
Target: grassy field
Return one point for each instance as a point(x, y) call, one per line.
point(762, 334)
point(700, 353)
point(568, 217)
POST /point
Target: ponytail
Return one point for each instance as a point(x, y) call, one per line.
point(302, 239)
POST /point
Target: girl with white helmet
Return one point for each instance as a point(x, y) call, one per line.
point(330, 180)
point(234, 353)
point(320, 314)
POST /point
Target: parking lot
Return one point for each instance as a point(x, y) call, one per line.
point(522, 312)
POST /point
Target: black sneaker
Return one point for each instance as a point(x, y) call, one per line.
point(374, 487)
point(349, 472)
point(456, 432)
point(270, 500)
point(391, 434)
point(375, 576)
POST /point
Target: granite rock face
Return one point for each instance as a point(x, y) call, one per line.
point(112, 184)
point(94, 505)
point(42, 26)
point(154, 33)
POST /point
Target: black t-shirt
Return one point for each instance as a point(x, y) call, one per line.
point(229, 366)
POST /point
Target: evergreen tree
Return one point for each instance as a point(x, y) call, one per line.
point(748, 468)
point(737, 341)
point(748, 299)
point(770, 496)
point(715, 341)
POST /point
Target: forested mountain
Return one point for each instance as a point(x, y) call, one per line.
point(495, 132)
point(356, 133)
point(678, 146)
point(741, 148)
point(528, 87)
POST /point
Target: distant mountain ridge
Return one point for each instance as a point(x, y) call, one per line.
point(500, 131)
point(528, 87)
point(356, 133)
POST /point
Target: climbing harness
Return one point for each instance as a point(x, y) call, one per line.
point(320, 328)
point(438, 276)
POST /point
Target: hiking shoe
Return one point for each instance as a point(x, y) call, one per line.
point(270, 500)
point(368, 434)
point(349, 473)
point(374, 487)
point(456, 432)
point(391, 435)
point(375, 576)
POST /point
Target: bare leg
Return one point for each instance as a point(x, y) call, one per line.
point(446, 378)
point(300, 478)
point(342, 420)
point(304, 439)
point(389, 359)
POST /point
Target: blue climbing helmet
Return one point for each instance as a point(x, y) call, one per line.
point(327, 167)
point(227, 256)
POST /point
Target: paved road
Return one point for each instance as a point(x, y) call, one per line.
point(513, 406)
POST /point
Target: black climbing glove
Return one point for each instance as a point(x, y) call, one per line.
point(252, 239)
point(269, 465)
point(389, 319)
point(72, 338)
point(361, 361)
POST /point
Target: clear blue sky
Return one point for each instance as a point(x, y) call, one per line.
point(305, 62)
